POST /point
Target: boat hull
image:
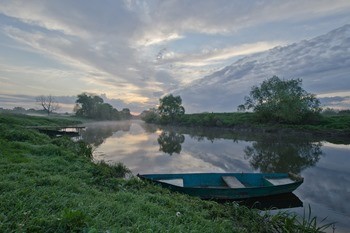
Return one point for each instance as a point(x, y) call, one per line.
point(211, 185)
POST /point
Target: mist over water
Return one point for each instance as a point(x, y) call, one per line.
point(146, 148)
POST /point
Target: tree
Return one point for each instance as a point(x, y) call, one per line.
point(150, 116)
point(48, 103)
point(104, 112)
point(87, 105)
point(19, 109)
point(125, 114)
point(170, 108)
point(92, 106)
point(282, 101)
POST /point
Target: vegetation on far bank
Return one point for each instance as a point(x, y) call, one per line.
point(328, 124)
point(93, 107)
point(87, 106)
point(275, 103)
point(52, 185)
point(339, 122)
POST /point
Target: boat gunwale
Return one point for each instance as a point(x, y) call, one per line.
point(227, 188)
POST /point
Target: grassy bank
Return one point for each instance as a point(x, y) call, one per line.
point(51, 185)
point(335, 123)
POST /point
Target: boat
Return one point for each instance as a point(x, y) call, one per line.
point(227, 186)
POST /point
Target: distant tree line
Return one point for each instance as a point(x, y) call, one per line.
point(87, 105)
point(93, 107)
point(21, 110)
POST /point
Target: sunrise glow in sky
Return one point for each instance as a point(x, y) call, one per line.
point(132, 52)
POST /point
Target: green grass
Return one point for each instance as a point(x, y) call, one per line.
point(25, 120)
point(217, 119)
point(327, 124)
point(51, 185)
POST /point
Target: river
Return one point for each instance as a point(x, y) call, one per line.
point(323, 162)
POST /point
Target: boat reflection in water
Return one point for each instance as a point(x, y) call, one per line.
point(281, 201)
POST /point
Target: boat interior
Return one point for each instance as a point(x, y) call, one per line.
point(226, 181)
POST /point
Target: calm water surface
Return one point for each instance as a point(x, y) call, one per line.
point(323, 162)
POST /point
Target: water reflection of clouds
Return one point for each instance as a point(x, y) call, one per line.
point(327, 191)
point(335, 158)
point(140, 152)
point(127, 144)
point(203, 155)
point(327, 185)
point(224, 155)
point(336, 146)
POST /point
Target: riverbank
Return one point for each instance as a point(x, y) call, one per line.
point(51, 185)
point(336, 126)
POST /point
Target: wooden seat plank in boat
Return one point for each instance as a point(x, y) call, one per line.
point(177, 182)
point(233, 182)
point(280, 181)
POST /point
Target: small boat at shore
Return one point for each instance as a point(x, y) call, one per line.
point(227, 186)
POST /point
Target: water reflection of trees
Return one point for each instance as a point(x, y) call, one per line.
point(278, 154)
point(96, 133)
point(149, 128)
point(210, 134)
point(269, 152)
point(170, 142)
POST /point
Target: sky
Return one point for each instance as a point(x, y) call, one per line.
point(132, 52)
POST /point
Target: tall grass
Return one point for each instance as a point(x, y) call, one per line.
point(285, 221)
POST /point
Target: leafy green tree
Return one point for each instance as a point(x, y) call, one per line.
point(282, 101)
point(92, 106)
point(87, 105)
point(170, 108)
point(150, 116)
point(104, 112)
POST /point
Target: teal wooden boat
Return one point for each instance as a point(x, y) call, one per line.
point(227, 186)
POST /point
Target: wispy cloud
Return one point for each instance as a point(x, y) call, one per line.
point(157, 38)
point(215, 56)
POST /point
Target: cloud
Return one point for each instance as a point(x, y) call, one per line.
point(157, 38)
point(322, 63)
point(212, 56)
point(111, 47)
point(227, 16)
point(337, 102)
point(112, 70)
point(87, 44)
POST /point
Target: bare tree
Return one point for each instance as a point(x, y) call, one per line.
point(48, 103)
